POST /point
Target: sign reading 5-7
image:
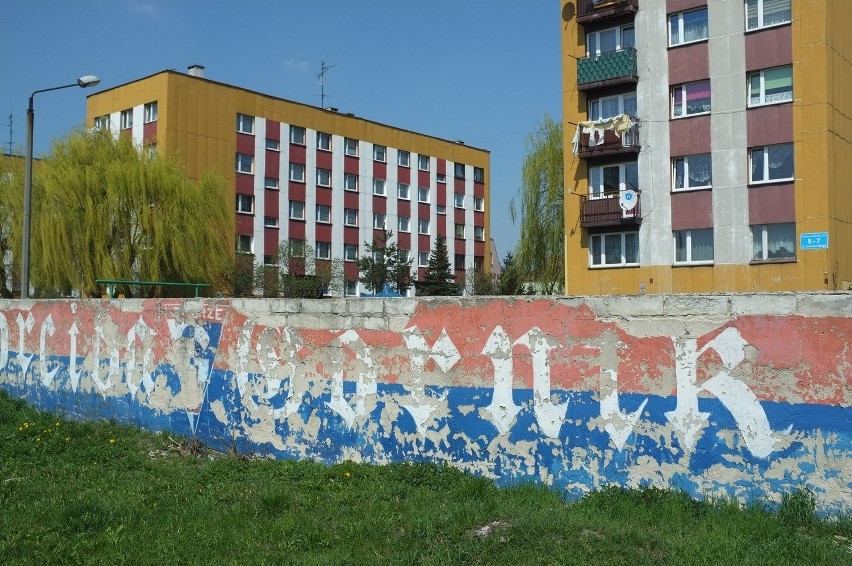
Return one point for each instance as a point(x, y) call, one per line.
point(814, 241)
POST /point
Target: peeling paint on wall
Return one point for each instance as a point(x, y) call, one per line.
point(739, 405)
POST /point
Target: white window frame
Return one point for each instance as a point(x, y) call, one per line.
point(479, 233)
point(404, 224)
point(126, 119)
point(270, 183)
point(686, 161)
point(245, 204)
point(689, 247)
point(593, 40)
point(241, 249)
point(323, 177)
point(460, 231)
point(760, 6)
point(270, 222)
point(595, 106)
point(599, 191)
point(323, 141)
point(459, 170)
point(297, 210)
point(423, 226)
point(403, 191)
point(600, 262)
point(298, 135)
point(379, 186)
point(323, 250)
point(297, 172)
point(350, 252)
point(273, 145)
point(458, 200)
point(766, 157)
point(380, 153)
point(441, 177)
point(150, 112)
point(423, 162)
point(244, 163)
point(403, 158)
point(760, 253)
point(380, 221)
point(245, 124)
point(678, 20)
point(350, 146)
point(440, 209)
point(479, 204)
point(323, 214)
point(780, 98)
point(423, 259)
point(350, 182)
point(350, 217)
point(420, 194)
point(683, 107)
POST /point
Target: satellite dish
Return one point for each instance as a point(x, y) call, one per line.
point(628, 199)
point(568, 11)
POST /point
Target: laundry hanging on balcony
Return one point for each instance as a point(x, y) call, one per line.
point(596, 128)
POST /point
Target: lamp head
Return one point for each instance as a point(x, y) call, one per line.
point(88, 80)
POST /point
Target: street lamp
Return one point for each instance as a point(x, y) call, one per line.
point(82, 82)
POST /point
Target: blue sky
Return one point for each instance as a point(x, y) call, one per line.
point(474, 70)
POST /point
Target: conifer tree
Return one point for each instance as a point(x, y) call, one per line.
point(384, 263)
point(439, 279)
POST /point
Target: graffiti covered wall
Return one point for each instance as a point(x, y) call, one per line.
point(720, 395)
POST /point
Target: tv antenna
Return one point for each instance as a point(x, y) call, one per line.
point(321, 77)
point(10, 133)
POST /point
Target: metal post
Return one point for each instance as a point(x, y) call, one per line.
point(28, 189)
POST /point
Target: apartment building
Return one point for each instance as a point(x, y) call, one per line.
point(301, 174)
point(708, 145)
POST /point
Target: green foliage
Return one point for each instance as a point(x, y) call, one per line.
point(479, 282)
point(297, 274)
point(439, 279)
point(11, 213)
point(105, 209)
point(797, 509)
point(384, 263)
point(511, 279)
point(539, 205)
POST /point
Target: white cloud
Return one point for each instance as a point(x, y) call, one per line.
point(296, 65)
point(144, 8)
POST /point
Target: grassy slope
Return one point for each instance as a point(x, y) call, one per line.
point(104, 494)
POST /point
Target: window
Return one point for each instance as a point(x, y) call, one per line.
point(351, 287)
point(323, 177)
point(379, 187)
point(479, 233)
point(692, 172)
point(350, 217)
point(150, 112)
point(458, 200)
point(350, 182)
point(323, 213)
point(350, 146)
point(245, 163)
point(609, 180)
point(460, 231)
point(350, 252)
point(422, 259)
point(771, 163)
point(459, 170)
point(403, 191)
point(422, 226)
point(694, 246)
point(245, 244)
point(270, 183)
point(422, 194)
point(102, 122)
point(441, 209)
point(126, 119)
point(612, 39)
point(442, 178)
point(269, 260)
point(297, 210)
point(380, 221)
point(270, 222)
point(479, 204)
point(245, 124)
point(612, 250)
point(404, 224)
point(380, 153)
point(687, 27)
point(404, 256)
point(773, 242)
point(245, 204)
point(273, 145)
point(691, 99)
point(478, 175)
point(611, 106)
point(770, 86)
point(297, 135)
point(296, 248)
point(423, 162)
point(297, 172)
point(403, 158)
point(459, 262)
point(323, 141)
point(323, 250)
point(765, 13)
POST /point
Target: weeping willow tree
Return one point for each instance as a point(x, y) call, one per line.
point(11, 212)
point(105, 209)
point(540, 252)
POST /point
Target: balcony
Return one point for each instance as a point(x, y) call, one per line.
point(589, 11)
point(612, 68)
point(611, 143)
point(606, 210)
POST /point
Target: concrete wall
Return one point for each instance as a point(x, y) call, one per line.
point(741, 395)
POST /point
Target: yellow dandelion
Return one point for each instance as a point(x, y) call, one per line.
point(38, 439)
point(20, 429)
point(57, 424)
point(112, 441)
point(26, 425)
point(348, 475)
point(67, 438)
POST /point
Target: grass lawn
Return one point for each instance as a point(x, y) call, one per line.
point(74, 493)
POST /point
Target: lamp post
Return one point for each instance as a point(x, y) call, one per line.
point(82, 82)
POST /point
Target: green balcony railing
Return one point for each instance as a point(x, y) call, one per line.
point(607, 67)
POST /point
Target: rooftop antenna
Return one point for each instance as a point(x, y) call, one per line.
point(10, 133)
point(321, 77)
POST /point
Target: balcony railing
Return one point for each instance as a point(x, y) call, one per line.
point(614, 67)
point(590, 145)
point(606, 210)
point(595, 10)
